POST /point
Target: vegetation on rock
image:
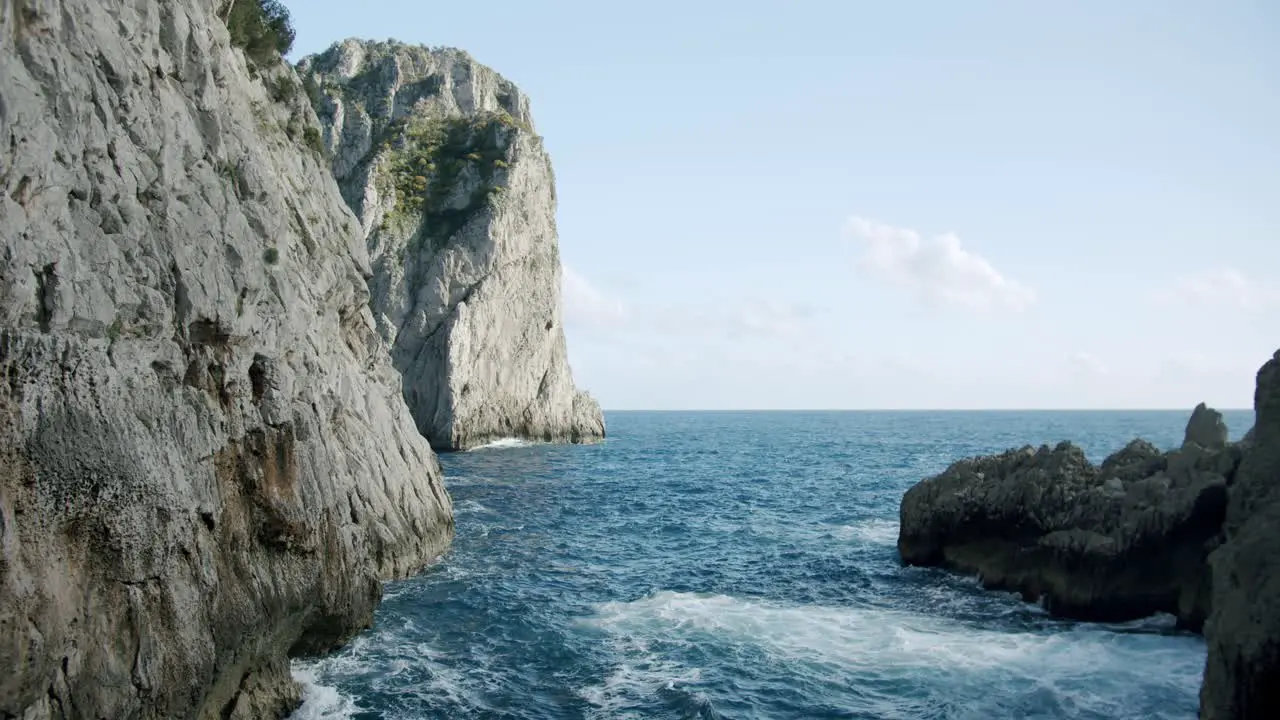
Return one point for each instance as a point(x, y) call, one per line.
point(311, 136)
point(261, 28)
point(426, 157)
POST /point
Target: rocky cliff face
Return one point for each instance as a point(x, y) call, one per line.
point(437, 156)
point(1242, 673)
point(206, 464)
point(1192, 532)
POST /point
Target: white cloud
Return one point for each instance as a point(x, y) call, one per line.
point(937, 268)
point(1195, 362)
point(770, 319)
point(586, 305)
point(1088, 364)
point(701, 318)
point(1223, 287)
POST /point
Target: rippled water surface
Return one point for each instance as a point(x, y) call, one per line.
point(740, 565)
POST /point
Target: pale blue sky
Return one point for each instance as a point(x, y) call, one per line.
point(1111, 171)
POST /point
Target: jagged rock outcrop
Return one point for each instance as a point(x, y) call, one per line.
point(206, 464)
point(1242, 671)
point(437, 156)
point(1194, 532)
point(1113, 542)
point(1206, 429)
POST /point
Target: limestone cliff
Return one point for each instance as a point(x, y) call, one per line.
point(437, 156)
point(206, 464)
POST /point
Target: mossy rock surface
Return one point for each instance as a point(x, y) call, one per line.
point(424, 159)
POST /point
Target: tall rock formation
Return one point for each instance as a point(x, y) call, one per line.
point(1242, 671)
point(437, 156)
point(206, 464)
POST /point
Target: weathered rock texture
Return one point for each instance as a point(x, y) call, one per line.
point(437, 156)
point(206, 464)
point(1242, 673)
point(1194, 532)
point(1119, 541)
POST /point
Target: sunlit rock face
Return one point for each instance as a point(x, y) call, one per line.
point(206, 463)
point(437, 156)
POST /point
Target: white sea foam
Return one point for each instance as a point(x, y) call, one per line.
point(875, 531)
point(640, 674)
point(391, 661)
point(320, 702)
point(468, 506)
point(860, 636)
point(861, 645)
point(501, 443)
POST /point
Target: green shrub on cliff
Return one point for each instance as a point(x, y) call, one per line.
point(261, 28)
point(427, 156)
point(311, 136)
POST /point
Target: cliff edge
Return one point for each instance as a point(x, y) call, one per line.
point(1242, 672)
point(206, 464)
point(437, 156)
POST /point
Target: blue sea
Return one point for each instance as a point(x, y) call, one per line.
point(741, 565)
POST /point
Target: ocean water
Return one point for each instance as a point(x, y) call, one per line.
point(741, 565)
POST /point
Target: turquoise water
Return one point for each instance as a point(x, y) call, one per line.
point(741, 565)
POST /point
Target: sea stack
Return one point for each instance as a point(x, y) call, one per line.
point(206, 463)
point(438, 157)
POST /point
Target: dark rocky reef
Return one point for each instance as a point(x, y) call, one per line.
point(1194, 532)
point(1113, 542)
